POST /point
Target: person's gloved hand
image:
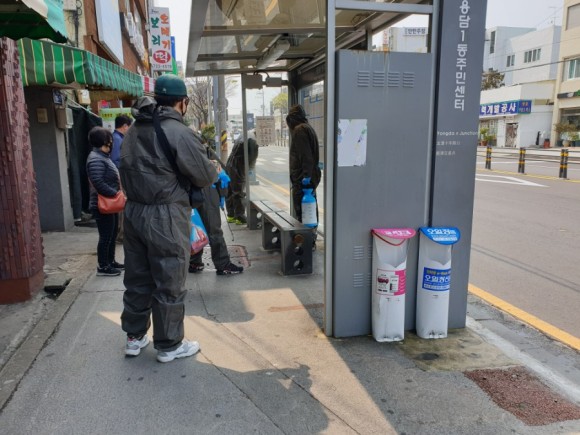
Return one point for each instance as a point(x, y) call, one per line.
point(306, 184)
point(224, 179)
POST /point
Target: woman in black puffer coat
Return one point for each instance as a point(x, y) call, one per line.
point(104, 179)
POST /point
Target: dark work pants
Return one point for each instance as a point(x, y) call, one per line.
point(212, 221)
point(235, 199)
point(156, 244)
point(108, 226)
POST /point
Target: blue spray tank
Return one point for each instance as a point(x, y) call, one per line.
point(309, 217)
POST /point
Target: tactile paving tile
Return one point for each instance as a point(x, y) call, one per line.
point(518, 391)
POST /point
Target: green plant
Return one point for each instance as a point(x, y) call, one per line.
point(489, 138)
point(563, 129)
point(208, 134)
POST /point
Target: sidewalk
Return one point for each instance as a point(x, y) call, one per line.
point(265, 364)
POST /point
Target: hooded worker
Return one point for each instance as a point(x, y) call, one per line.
point(236, 169)
point(157, 219)
point(304, 157)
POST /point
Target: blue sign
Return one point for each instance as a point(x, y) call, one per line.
point(442, 235)
point(517, 107)
point(438, 280)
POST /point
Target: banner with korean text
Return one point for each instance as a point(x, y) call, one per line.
point(160, 41)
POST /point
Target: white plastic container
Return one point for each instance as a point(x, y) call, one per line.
point(389, 282)
point(434, 280)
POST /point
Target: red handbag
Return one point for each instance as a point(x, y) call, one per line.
point(111, 205)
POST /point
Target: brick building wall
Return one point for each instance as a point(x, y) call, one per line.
point(91, 40)
point(21, 256)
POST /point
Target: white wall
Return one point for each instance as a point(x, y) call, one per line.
point(398, 39)
point(539, 120)
point(548, 40)
point(527, 91)
point(528, 124)
point(497, 59)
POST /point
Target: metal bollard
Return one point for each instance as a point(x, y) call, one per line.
point(522, 161)
point(224, 146)
point(488, 158)
point(564, 164)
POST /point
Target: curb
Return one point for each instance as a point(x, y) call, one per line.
point(22, 359)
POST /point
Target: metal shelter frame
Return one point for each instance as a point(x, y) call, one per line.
point(225, 41)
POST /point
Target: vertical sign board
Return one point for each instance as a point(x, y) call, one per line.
point(160, 42)
point(461, 42)
point(109, 28)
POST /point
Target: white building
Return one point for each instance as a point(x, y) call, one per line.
point(524, 55)
point(519, 116)
point(496, 46)
point(406, 39)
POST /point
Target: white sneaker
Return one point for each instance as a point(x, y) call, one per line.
point(134, 345)
point(187, 348)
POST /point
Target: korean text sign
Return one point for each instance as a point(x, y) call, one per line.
point(160, 42)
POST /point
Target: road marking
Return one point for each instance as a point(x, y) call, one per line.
point(530, 319)
point(507, 180)
point(543, 177)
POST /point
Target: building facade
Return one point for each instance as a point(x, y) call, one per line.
point(497, 46)
point(405, 39)
point(50, 101)
point(523, 55)
point(519, 114)
point(567, 89)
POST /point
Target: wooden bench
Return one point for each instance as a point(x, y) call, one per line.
point(258, 209)
point(293, 239)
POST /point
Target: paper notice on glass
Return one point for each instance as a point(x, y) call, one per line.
point(352, 142)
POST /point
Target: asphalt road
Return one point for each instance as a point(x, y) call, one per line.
point(526, 233)
point(526, 244)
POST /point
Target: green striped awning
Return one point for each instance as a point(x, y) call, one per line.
point(32, 19)
point(45, 63)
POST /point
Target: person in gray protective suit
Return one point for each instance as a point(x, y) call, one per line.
point(209, 212)
point(157, 220)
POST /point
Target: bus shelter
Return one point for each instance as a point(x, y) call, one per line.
point(399, 130)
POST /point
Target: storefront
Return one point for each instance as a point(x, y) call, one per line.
point(60, 116)
point(516, 116)
point(21, 256)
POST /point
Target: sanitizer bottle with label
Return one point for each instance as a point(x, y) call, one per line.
point(308, 205)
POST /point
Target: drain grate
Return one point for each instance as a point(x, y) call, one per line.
point(54, 286)
point(518, 391)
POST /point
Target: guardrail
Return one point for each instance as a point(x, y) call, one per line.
point(562, 155)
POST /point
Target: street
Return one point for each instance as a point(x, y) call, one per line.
point(525, 241)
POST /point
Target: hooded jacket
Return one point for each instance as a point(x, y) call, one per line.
point(146, 174)
point(304, 153)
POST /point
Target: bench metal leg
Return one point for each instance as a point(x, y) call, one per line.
point(270, 235)
point(296, 252)
point(253, 220)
